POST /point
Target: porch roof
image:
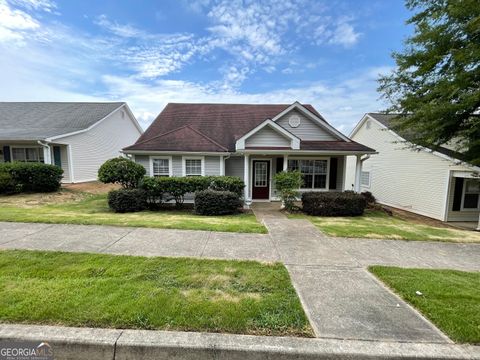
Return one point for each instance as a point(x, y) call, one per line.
point(319, 146)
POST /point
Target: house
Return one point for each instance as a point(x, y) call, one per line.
point(78, 137)
point(435, 183)
point(252, 142)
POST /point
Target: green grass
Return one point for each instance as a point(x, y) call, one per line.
point(378, 225)
point(242, 297)
point(93, 209)
point(451, 299)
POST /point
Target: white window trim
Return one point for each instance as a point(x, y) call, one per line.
point(184, 164)
point(40, 148)
point(327, 183)
point(369, 178)
point(463, 198)
point(170, 165)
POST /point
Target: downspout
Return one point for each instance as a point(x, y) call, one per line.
point(47, 157)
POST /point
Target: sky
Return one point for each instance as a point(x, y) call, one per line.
point(148, 53)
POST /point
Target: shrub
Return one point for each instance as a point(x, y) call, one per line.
point(287, 185)
point(7, 185)
point(333, 203)
point(369, 198)
point(127, 200)
point(121, 171)
point(213, 202)
point(32, 177)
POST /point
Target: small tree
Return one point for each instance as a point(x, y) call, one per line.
point(287, 184)
point(121, 171)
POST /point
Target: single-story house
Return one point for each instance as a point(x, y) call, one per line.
point(78, 137)
point(435, 183)
point(250, 141)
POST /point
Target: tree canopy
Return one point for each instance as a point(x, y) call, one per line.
point(436, 83)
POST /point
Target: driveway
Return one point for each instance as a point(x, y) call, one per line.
point(342, 299)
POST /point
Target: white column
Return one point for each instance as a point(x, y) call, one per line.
point(47, 157)
point(246, 177)
point(285, 162)
point(358, 172)
point(222, 165)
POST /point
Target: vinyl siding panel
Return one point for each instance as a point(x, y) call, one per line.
point(177, 166)
point(267, 137)
point(65, 163)
point(144, 160)
point(92, 148)
point(307, 130)
point(234, 166)
point(212, 165)
point(411, 180)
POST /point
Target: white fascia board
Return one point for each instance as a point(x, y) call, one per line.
point(195, 153)
point(294, 141)
point(300, 152)
point(321, 122)
point(124, 105)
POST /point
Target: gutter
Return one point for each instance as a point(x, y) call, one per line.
point(47, 159)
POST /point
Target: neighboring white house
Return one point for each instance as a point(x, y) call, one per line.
point(251, 141)
point(78, 137)
point(436, 183)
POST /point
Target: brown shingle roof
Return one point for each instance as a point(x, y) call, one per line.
point(222, 123)
point(334, 146)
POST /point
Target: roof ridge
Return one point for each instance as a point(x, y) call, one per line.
point(206, 137)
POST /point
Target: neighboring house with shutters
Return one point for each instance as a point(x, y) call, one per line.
point(434, 183)
point(78, 137)
point(253, 142)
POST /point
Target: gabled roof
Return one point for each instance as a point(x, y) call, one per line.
point(189, 138)
point(389, 120)
point(42, 120)
point(222, 123)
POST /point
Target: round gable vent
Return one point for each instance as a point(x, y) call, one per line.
point(294, 121)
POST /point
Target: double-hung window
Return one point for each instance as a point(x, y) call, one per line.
point(471, 195)
point(161, 167)
point(315, 172)
point(193, 166)
point(27, 154)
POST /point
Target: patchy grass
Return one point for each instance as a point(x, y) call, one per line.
point(378, 225)
point(68, 207)
point(242, 297)
point(451, 299)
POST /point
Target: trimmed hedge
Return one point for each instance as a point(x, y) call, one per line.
point(127, 200)
point(213, 202)
point(333, 203)
point(30, 177)
point(160, 189)
point(121, 171)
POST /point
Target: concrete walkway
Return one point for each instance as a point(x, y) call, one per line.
point(340, 296)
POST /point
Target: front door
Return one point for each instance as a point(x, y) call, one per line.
point(261, 179)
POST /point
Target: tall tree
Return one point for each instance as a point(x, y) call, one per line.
point(436, 83)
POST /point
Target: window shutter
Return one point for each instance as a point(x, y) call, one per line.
point(457, 194)
point(333, 173)
point(6, 154)
point(279, 164)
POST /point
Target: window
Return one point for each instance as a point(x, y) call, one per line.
point(29, 154)
point(161, 167)
point(471, 195)
point(193, 167)
point(314, 172)
point(365, 178)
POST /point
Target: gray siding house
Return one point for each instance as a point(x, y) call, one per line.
point(78, 137)
point(252, 142)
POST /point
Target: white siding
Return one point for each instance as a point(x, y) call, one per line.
point(144, 160)
point(307, 130)
point(234, 166)
point(411, 180)
point(65, 164)
point(104, 141)
point(212, 165)
point(267, 137)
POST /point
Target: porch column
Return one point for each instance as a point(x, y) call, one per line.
point(358, 172)
point(246, 178)
point(222, 165)
point(47, 156)
point(285, 162)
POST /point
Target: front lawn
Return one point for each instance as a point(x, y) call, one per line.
point(242, 297)
point(450, 299)
point(69, 207)
point(378, 225)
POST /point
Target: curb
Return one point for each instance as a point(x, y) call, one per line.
point(93, 344)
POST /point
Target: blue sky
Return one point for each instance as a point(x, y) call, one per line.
point(149, 53)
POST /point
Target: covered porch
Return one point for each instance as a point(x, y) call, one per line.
point(322, 171)
point(463, 202)
point(37, 151)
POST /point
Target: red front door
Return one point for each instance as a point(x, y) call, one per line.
point(260, 179)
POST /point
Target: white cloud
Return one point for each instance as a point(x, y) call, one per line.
point(344, 34)
point(14, 23)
